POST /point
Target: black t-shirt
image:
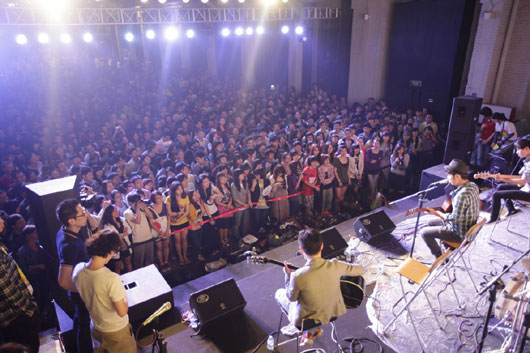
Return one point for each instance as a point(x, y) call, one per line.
point(71, 246)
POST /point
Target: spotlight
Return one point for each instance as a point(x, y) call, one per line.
point(239, 31)
point(144, 1)
point(225, 32)
point(150, 34)
point(269, 2)
point(260, 30)
point(241, 1)
point(224, 1)
point(249, 31)
point(162, 1)
point(11, 4)
point(285, 1)
point(304, 38)
point(43, 38)
point(88, 37)
point(129, 37)
point(65, 38)
point(21, 39)
point(204, 1)
point(171, 33)
point(299, 30)
point(185, 1)
point(190, 33)
point(285, 29)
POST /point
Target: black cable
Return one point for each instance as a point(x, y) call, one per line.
point(358, 342)
point(264, 340)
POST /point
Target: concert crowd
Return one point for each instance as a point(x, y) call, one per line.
point(204, 162)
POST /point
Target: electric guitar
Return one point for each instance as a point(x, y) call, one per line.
point(486, 175)
point(352, 287)
point(446, 207)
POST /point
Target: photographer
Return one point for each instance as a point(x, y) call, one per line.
point(399, 162)
point(139, 220)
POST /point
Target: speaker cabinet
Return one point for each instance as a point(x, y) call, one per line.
point(461, 133)
point(43, 199)
point(334, 243)
point(374, 225)
point(147, 291)
point(217, 302)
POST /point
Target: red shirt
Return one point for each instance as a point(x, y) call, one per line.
point(487, 129)
point(310, 175)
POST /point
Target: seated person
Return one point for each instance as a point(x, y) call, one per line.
point(313, 291)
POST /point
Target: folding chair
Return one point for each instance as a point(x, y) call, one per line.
point(521, 235)
point(461, 247)
point(424, 276)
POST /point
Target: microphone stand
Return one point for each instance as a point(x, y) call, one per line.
point(492, 286)
point(421, 199)
point(159, 337)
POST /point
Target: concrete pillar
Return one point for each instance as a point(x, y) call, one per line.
point(315, 45)
point(295, 57)
point(369, 49)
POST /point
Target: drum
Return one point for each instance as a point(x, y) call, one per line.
point(507, 308)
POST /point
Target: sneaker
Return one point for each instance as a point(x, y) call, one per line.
point(513, 213)
point(289, 330)
point(307, 339)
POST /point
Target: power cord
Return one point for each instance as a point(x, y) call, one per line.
point(357, 345)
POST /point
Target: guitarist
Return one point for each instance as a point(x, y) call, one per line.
point(511, 190)
point(453, 226)
point(504, 131)
point(313, 291)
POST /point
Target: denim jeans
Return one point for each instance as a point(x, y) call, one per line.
point(241, 224)
point(81, 325)
point(508, 192)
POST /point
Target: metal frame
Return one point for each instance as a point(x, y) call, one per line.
point(24, 16)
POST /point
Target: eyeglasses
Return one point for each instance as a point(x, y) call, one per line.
point(82, 214)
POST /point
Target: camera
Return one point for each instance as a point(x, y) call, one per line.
point(87, 200)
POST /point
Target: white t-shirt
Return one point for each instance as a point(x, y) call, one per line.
point(140, 232)
point(506, 128)
point(100, 289)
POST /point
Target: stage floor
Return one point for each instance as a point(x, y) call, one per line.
point(258, 284)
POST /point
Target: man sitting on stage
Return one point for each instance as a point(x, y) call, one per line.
point(465, 201)
point(313, 291)
point(512, 190)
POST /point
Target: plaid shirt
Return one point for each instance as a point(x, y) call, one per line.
point(15, 298)
point(465, 209)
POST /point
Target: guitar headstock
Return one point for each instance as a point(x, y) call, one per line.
point(482, 175)
point(257, 259)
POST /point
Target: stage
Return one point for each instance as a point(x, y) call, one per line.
point(380, 257)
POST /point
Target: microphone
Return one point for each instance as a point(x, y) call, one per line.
point(165, 307)
point(248, 253)
point(438, 183)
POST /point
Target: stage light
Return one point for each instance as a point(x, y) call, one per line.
point(299, 30)
point(21, 39)
point(204, 1)
point(304, 39)
point(249, 31)
point(285, 1)
point(171, 33)
point(225, 32)
point(185, 1)
point(144, 1)
point(190, 33)
point(285, 29)
point(150, 34)
point(43, 38)
point(129, 37)
point(239, 31)
point(65, 38)
point(11, 4)
point(162, 1)
point(224, 1)
point(241, 1)
point(269, 2)
point(260, 30)
point(88, 37)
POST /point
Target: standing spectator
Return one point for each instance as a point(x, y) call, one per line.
point(225, 204)
point(356, 166)
point(160, 229)
point(309, 179)
point(72, 250)
point(487, 131)
point(209, 195)
point(258, 213)
point(33, 262)
point(399, 163)
point(341, 165)
point(104, 296)
point(372, 168)
point(111, 220)
point(241, 199)
point(198, 213)
point(178, 211)
point(280, 208)
point(142, 238)
point(293, 187)
point(15, 237)
point(386, 148)
point(326, 174)
point(19, 314)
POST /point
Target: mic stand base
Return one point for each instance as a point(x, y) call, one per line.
point(160, 342)
point(526, 324)
point(492, 298)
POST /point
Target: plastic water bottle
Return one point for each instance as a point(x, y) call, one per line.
point(270, 343)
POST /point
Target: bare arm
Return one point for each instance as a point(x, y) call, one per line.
point(122, 307)
point(65, 278)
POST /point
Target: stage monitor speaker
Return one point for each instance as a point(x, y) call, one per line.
point(147, 291)
point(43, 199)
point(334, 243)
point(374, 225)
point(217, 302)
point(461, 133)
